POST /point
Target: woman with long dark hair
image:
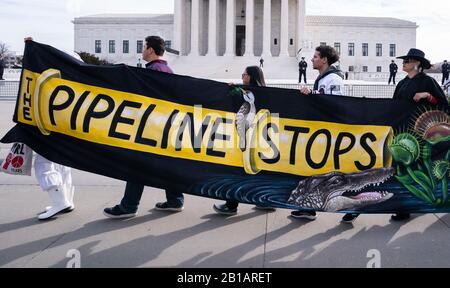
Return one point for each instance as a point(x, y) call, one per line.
point(252, 76)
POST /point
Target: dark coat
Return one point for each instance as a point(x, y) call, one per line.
point(408, 87)
point(393, 68)
point(302, 65)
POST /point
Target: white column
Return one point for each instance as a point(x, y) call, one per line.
point(195, 28)
point(267, 29)
point(284, 41)
point(178, 26)
point(231, 28)
point(212, 26)
point(301, 23)
point(249, 28)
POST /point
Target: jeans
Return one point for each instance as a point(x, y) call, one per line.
point(133, 194)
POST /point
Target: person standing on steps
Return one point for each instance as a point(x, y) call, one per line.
point(302, 67)
point(445, 71)
point(393, 68)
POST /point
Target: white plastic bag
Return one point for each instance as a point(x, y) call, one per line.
point(19, 160)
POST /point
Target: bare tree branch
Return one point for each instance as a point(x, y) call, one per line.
point(4, 50)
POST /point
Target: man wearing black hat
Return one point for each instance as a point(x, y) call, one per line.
point(302, 66)
point(445, 71)
point(393, 68)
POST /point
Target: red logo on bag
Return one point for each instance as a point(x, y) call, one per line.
point(17, 162)
point(7, 161)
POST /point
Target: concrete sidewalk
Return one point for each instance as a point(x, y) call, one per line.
point(197, 237)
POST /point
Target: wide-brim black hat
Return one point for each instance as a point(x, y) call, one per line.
point(417, 55)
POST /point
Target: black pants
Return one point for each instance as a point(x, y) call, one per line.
point(444, 77)
point(1, 72)
point(302, 73)
point(392, 77)
point(133, 194)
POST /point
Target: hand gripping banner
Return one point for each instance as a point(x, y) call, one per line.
point(257, 145)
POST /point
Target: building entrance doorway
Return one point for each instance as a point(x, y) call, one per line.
point(240, 40)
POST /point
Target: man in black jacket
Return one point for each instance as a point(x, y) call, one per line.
point(393, 68)
point(302, 66)
point(445, 71)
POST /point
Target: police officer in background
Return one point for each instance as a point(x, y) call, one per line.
point(302, 66)
point(393, 68)
point(2, 65)
point(445, 71)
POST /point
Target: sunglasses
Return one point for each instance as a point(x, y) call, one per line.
point(406, 61)
point(243, 75)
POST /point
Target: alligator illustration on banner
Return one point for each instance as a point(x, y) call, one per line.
point(337, 191)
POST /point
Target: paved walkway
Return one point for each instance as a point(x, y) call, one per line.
point(198, 237)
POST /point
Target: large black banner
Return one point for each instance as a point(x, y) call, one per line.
point(266, 146)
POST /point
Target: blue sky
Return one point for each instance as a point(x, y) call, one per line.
point(49, 21)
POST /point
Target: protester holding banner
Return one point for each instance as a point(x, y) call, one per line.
point(330, 81)
point(154, 49)
point(418, 87)
point(56, 180)
point(252, 76)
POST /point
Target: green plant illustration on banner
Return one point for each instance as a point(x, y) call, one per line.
point(412, 151)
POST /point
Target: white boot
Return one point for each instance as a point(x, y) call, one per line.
point(59, 201)
point(69, 198)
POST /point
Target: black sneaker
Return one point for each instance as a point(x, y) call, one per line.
point(117, 213)
point(224, 210)
point(400, 216)
point(310, 215)
point(164, 206)
point(349, 218)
